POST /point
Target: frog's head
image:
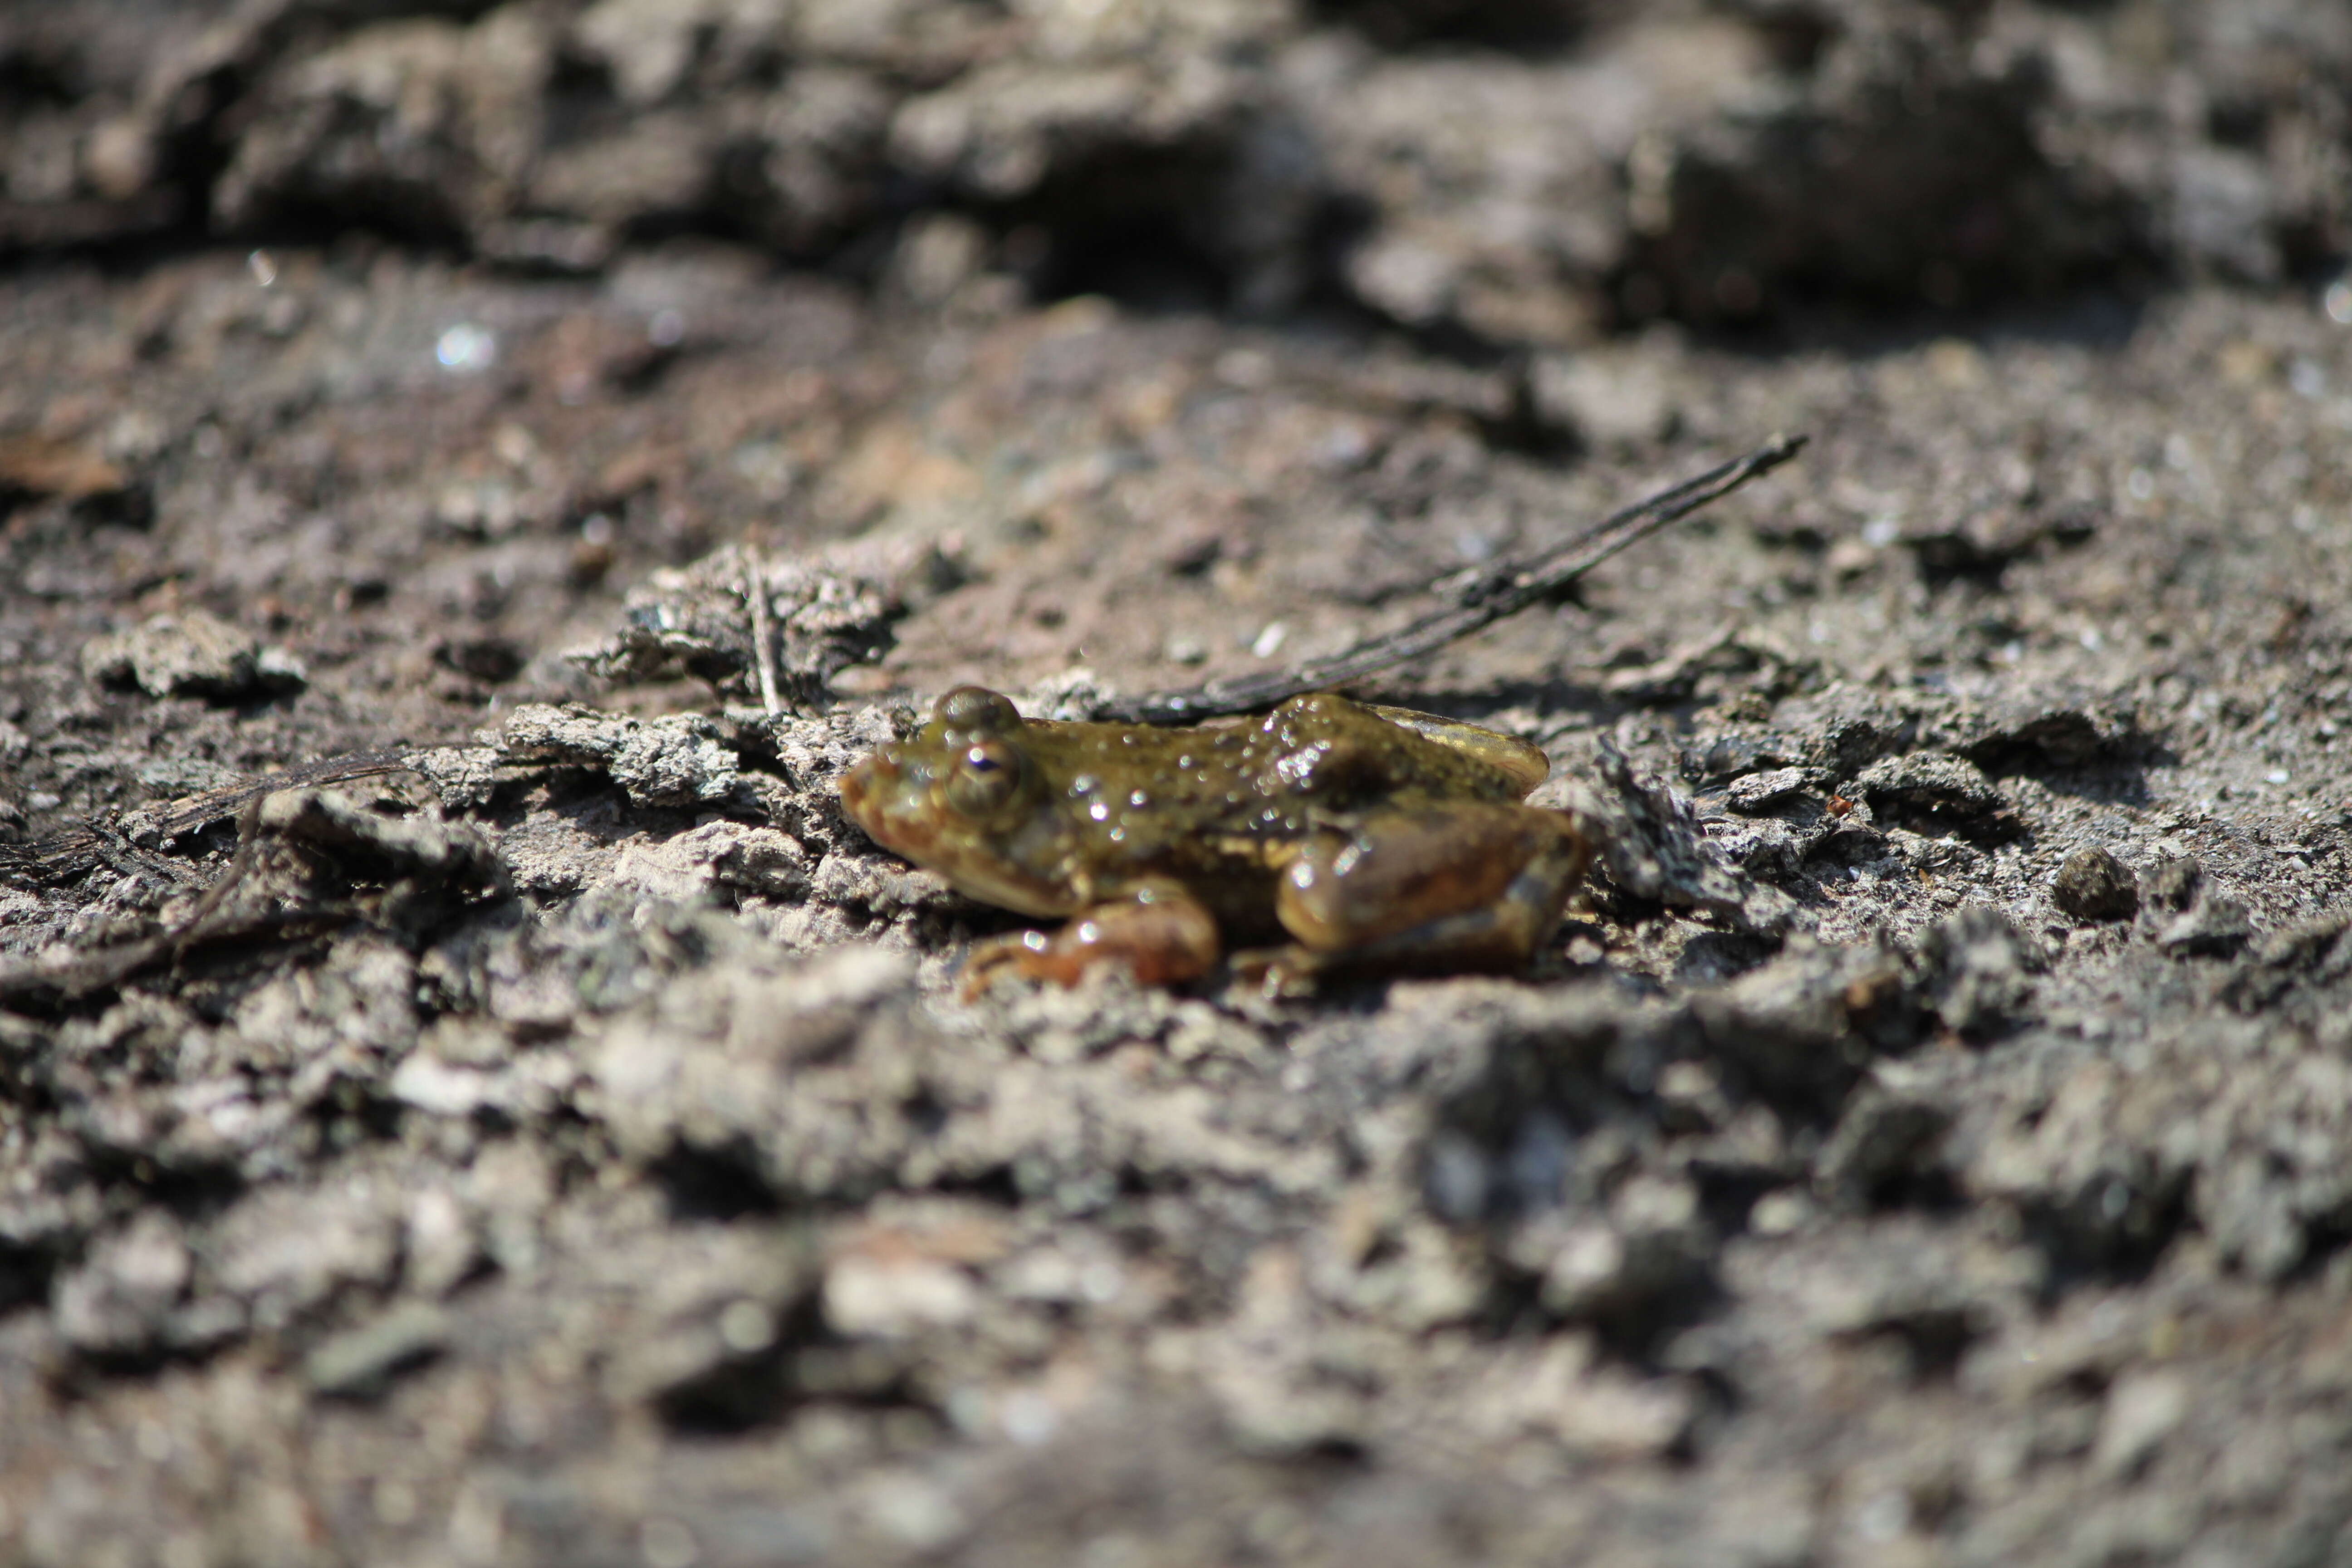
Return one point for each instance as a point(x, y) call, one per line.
point(963, 796)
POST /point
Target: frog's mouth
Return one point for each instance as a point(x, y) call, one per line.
point(903, 817)
point(868, 791)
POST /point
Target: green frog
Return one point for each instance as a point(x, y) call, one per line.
point(1374, 838)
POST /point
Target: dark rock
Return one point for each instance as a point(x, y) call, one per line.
point(1937, 787)
point(1651, 845)
point(436, 863)
point(806, 163)
point(707, 1331)
point(418, 125)
point(1728, 757)
point(284, 1254)
point(2224, 213)
point(2092, 885)
point(1633, 1269)
point(1507, 24)
point(2173, 883)
point(2300, 969)
point(1799, 1030)
point(1904, 164)
point(682, 758)
point(1885, 1138)
point(491, 659)
point(1990, 537)
point(741, 1066)
point(2023, 734)
point(2215, 926)
point(2098, 1159)
point(1757, 792)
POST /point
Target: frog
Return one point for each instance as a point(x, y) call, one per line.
point(1351, 836)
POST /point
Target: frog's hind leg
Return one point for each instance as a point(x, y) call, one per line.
point(1163, 934)
point(1470, 886)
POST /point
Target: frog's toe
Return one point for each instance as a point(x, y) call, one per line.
point(1280, 974)
point(992, 960)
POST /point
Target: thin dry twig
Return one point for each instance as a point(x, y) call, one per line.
point(763, 637)
point(74, 853)
point(1480, 600)
point(50, 984)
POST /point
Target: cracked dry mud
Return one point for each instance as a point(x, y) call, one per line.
point(554, 1137)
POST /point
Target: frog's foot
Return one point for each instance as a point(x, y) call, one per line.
point(1472, 886)
point(1162, 935)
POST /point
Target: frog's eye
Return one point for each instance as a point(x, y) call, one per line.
point(984, 777)
point(976, 711)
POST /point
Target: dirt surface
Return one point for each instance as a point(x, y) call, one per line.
point(548, 1134)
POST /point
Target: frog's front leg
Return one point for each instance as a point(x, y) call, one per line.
point(1163, 934)
point(1466, 885)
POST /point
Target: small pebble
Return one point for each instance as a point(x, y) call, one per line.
point(2092, 885)
point(1757, 792)
point(2174, 882)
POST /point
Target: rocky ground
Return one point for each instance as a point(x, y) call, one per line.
point(538, 1130)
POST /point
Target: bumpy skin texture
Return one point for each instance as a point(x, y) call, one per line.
point(1369, 836)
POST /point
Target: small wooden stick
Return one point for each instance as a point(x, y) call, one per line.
point(763, 641)
point(1480, 600)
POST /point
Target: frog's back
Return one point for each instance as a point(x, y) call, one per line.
point(1320, 756)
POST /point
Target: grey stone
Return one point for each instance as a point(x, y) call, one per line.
point(1801, 1027)
point(1936, 785)
point(2100, 1155)
point(360, 1363)
point(1603, 403)
point(697, 620)
point(2222, 210)
point(716, 1306)
point(1757, 792)
point(2173, 883)
point(2064, 732)
point(120, 1302)
point(2143, 1410)
point(738, 1059)
point(285, 1252)
point(191, 654)
point(680, 759)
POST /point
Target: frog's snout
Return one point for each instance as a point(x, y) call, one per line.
point(867, 783)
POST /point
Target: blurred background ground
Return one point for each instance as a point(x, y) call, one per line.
point(569, 1149)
